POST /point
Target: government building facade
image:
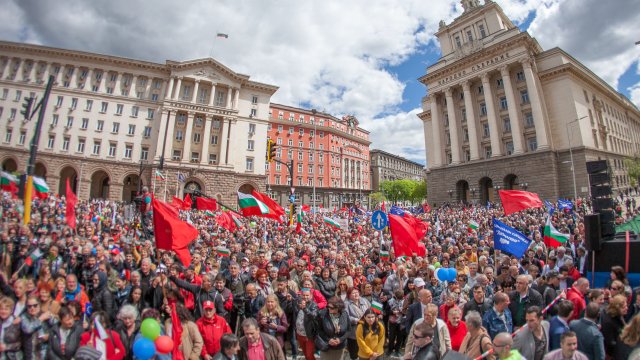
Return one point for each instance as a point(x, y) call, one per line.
point(330, 155)
point(390, 167)
point(502, 113)
point(110, 120)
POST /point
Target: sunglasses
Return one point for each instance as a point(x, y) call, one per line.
point(32, 306)
point(419, 337)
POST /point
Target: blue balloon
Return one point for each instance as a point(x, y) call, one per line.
point(452, 274)
point(144, 349)
point(441, 274)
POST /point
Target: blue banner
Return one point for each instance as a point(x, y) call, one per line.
point(509, 240)
point(396, 211)
point(564, 204)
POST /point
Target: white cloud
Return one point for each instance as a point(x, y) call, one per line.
point(401, 133)
point(598, 33)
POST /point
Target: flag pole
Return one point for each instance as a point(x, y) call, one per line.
point(165, 187)
point(177, 182)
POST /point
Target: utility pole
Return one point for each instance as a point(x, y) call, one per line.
point(271, 156)
point(35, 140)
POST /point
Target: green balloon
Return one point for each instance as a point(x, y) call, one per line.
point(253, 224)
point(150, 329)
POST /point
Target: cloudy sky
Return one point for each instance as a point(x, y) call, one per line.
point(358, 57)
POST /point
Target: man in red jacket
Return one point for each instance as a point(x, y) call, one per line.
point(576, 295)
point(211, 327)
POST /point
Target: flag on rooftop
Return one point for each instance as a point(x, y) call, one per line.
point(222, 35)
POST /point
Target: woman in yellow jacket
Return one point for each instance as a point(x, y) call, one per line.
point(370, 336)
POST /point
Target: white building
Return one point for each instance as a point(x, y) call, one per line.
point(502, 113)
point(108, 117)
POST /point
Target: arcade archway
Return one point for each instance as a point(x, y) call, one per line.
point(71, 174)
point(192, 186)
point(486, 190)
point(462, 191)
point(99, 185)
point(246, 188)
point(40, 171)
point(511, 182)
point(131, 184)
point(9, 165)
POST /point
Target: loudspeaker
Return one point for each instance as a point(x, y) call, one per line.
point(599, 179)
point(600, 190)
point(602, 203)
point(592, 232)
point(596, 166)
point(614, 252)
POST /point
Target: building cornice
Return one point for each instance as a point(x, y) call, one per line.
point(397, 157)
point(326, 129)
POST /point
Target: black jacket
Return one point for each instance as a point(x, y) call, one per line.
point(102, 299)
point(326, 287)
point(71, 346)
point(533, 298)
point(327, 331)
point(472, 305)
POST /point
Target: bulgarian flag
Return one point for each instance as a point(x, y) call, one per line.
point(552, 237)
point(40, 187)
point(384, 255)
point(376, 307)
point(159, 175)
point(33, 257)
point(250, 205)
point(331, 222)
point(472, 225)
point(9, 182)
point(223, 252)
point(236, 218)
point(209, 213)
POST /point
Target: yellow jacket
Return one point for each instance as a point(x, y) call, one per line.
point(372, 343)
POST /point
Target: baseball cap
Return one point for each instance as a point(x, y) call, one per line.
point(208, 305)
point(552, 274)
point(418, 282)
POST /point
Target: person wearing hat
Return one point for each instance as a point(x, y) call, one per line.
point(212, 327)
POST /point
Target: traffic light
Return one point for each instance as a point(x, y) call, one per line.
point(26, 108)
point(271, 150)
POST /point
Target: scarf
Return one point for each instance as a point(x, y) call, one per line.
point(71, 295)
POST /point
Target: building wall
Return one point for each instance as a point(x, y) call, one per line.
point(386, 166)
point(122, 110)
point(327, 151)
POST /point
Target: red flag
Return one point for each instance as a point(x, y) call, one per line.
point(206, 204)
point(178, 204)
point(418, 226)
point(517, 200)
point(70, 211)
point(426, 207)
point(225, 221)
point(171, 232)
point(277, 209)
point(383, 207)
point(405, 239)
point(306, 208)
point(176, 333)
point(187, 202)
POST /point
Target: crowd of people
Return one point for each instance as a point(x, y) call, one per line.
point(270, 291)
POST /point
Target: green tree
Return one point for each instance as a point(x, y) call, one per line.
point(633, 169)
point(401, 190)
point(419, 192)
point(376, 198)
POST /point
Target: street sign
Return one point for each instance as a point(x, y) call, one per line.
point(379, 220)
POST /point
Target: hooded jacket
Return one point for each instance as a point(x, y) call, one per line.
point(212, 331)
point(103, 298)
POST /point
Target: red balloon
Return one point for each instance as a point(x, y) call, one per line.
point(164, 344)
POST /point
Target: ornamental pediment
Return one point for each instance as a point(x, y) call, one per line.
point(207, 70)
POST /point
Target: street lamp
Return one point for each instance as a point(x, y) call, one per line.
point(573, 169)
point(315, 131)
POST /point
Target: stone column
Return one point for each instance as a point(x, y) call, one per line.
point(73, 82)
point(118, 86)
point(213, 94)
point(147, 88)
point(229, 94)
point(235, 101)
point(46, 72)
point(496, 149)
point(133, 87)
point(186, 153)
point(471, 121)
point(206, 141)
point(169, 135)
point(435, 131)
point(196, 88)
point(169, 90)
point(102, 86)
point(536, 105)
point(514, 118)
point(176, 93)
point(29, 75)
point(453, 127)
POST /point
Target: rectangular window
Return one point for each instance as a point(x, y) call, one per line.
point(147, 131)
point(144, 153)
point(509, 147)
point(69, 121)
point(254, 113)
point(252, 128)
point(520, 76)
point(311, 156)
point(195, 156)
point(485, 130)
point(196, 138)
point(291, 130)
point(132, 130)
point(96, 147)
point(104, 107)
point(74, 103)
point(300, 155)
point(300, 144)
point(51, 142)
point(458, 43)
point(213, 159)
point(177, 155)
point(250, 145)
point(290, 142)
point(503, 103)
point(280, 128)
point(154, 97)
point(134, 111)
point(528, 120)
point(214, 139)
point(524, 96)
point(182, 119)
point(300, 168)
point(532, 144)
point(254, 99)
point(487, 152)
point(483, 109)
point(128, 151)
point(150, 113)
point(186, 92)
point(113, 148)
point(12, 114)
point(110, 90)
point(465, 134)
point(58, 102)
point(469, 36)
point(85, 124)
point(81, 145)
point(249, 164)
point(312, 133)
point(179, 135)
point(500, 83)
point(65, 143)
point(119, 109)
point(280, 115)
point(89, 105)
point(483, 33)
point(301, 132)
point(321, 134)
point(21, 139)
point(219, 98)
point(115, 128)
point(18, 95)
point(480, 90)
point(506, 125)
point(100, 125)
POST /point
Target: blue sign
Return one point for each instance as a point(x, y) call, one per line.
point(509, 240)
point(379, 220)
